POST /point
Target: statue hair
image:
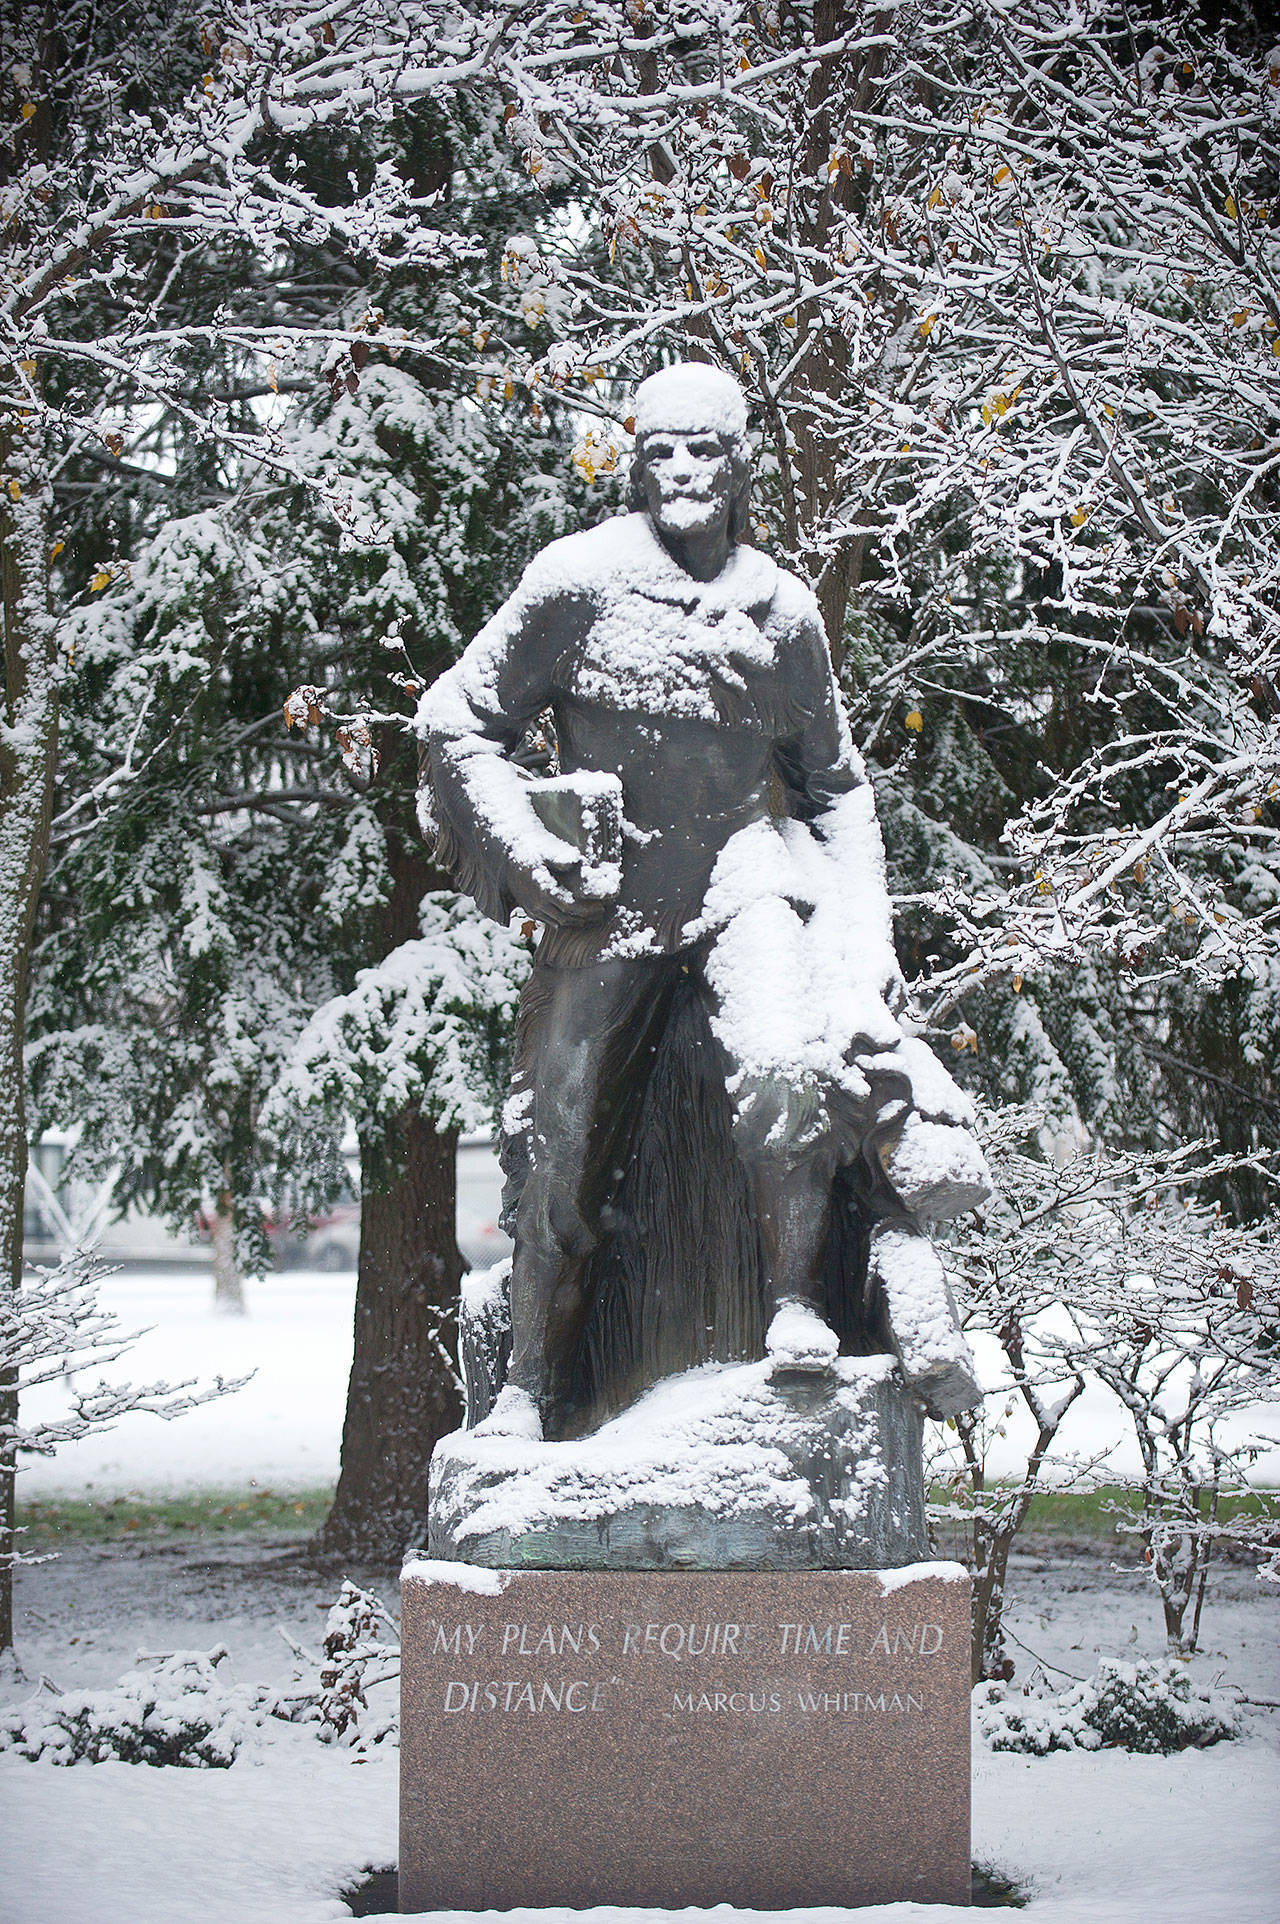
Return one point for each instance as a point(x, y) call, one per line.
point(739, 492)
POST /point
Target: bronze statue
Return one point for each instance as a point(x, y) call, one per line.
point(711, 1079)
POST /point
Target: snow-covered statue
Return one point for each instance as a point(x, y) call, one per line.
point(720, 1143)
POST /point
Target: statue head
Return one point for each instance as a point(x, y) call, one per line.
point(702, 412)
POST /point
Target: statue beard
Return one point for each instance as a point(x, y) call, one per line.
point(688, 514)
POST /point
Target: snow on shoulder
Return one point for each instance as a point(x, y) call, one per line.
point(622, 555)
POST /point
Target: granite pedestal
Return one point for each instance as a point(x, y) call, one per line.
point(670, 1738)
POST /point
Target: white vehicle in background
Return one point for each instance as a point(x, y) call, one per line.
point(61, 1213)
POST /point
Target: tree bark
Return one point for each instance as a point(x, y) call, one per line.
point(228, 1284)
point(402, 1396)
point(28, 755)
point(404, 1393)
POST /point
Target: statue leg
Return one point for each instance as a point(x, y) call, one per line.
point(589, 1048)
point(786, 1141)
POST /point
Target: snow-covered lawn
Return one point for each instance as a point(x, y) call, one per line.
point(281, 1430)
point(1095, 1836)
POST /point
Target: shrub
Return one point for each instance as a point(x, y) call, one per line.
point(179, 1712)
point(1148, 1707)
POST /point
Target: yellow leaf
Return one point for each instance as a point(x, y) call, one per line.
point(14, 490)
point(936, 198)
point(100, 581)
point(56, 550)
point(28, 367)
point(925, 327)
point(914, 721)
point(1229, 207)
point(744, 65)
point(760, 256)
point(1017, 985)
point(28, 110)
point(1001, 173)
point(788, 320)
point(1079, 516)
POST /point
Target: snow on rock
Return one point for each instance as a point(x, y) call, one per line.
point(717, 1463)
point(891, 1580)
point(463, 1576)
point(687, 1442)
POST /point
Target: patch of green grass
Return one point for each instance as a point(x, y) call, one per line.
point(1093, 1513)
point(140, 1516)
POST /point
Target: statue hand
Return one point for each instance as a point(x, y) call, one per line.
point(557, 892)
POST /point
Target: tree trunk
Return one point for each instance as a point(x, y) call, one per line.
point(404, 1392)
point(403, 1396)
point(28, 752)
point(228, 1284)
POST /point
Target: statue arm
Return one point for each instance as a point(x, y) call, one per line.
point(476, 803)
point(817, 760)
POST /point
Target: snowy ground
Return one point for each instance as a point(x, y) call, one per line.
point(283, 1429)
point(1100, 1837)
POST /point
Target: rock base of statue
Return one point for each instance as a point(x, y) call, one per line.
point(767, 1740)
point(729, 1467)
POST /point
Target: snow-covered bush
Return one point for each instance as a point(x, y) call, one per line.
point(177, 1712)
point(1149, 1707)
point(361, 1650)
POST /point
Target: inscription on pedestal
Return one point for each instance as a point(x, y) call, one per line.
point(673, 1738)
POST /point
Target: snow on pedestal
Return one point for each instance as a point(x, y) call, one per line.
point(731, 1467)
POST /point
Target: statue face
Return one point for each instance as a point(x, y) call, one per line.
point(688, 481)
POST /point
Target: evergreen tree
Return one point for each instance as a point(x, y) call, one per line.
point(258, 865)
